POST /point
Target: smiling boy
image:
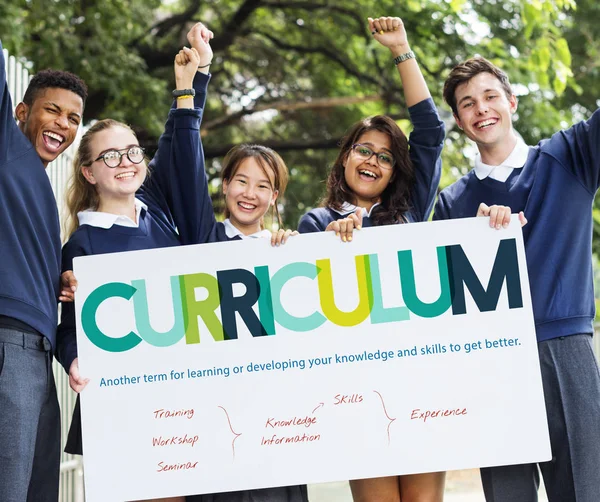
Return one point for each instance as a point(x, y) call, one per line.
point(554, 183)
point(48, 119)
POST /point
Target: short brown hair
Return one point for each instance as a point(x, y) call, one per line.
point(466, 71)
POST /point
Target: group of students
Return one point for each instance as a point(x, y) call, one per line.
point(118, 203)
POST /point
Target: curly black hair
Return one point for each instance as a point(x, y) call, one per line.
point(395, 199)
point(47, 79)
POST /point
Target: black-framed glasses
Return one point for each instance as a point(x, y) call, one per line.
point(363, 152)
point(113, 158)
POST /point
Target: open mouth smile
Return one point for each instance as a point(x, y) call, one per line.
point(52, 140)
point(486, 123)
point(246, 206)
point(367, 175)
point(125, 175)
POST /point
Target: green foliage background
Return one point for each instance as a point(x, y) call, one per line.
point(296, 74)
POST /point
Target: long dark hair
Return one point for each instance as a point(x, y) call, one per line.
point(395, 199)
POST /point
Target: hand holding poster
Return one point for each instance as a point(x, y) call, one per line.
point(237, 365)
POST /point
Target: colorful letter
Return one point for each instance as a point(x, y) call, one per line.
point(280, 278)
point(409, 287)
point(380, 314)
point(205, 308)
point(242, 304)
point(462, 274)
point(365, 294)
point(88, 318)
point(142, 315)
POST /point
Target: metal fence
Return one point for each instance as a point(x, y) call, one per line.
point(71, 471)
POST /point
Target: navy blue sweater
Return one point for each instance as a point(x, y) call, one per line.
point(29, 228)
point(172, 166)
point(556, 190)
point(425, 147)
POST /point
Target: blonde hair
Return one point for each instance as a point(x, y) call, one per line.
point(81, 194)
point(267, 159)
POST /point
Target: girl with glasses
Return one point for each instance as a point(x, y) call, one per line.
point(118, 203)
point(381, 178)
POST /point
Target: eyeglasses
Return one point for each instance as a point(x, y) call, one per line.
point(385, 160)
point(113, 158)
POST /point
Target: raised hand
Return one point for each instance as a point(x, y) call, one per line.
point(199, 38)
point(389, 32)
point(186, 64)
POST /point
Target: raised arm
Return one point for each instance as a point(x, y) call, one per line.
point(9, 132)
point(390, 32)
point(178, 167)
point(193, 211)
point(427, 138)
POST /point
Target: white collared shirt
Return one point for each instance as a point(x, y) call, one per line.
point(107, 220)
point(351, 208)
point(501, 172)
point(232, 231)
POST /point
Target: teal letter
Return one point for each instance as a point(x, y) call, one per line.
point(142, 316)
point(280, 278)
point(265, 300)
point(88, 318)
point(409, 287)
point(380, 314)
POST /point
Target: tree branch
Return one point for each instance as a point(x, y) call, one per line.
point(279, 146)
point(318, 103)
point(310, 6)
point(325, 52)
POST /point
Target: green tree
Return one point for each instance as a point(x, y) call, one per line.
point(295, 74)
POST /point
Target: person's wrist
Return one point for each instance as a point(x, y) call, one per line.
point(400, 49)
point(182, 85)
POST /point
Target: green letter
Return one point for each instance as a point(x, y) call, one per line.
point(205, 308)
point(409, 287)
point(88, 318)
point(265, 300)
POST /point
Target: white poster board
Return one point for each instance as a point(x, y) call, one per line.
point(370, 365)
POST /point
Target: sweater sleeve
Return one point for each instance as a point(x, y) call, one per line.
point(311, 222)
point(192, 207)
point(173, 180)
point(580, 151)
point(66, 339)
point(8, 126)
point(440, 212)
point(426, 142)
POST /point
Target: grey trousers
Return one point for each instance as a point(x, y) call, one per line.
point(29, 419)
point(571, 381)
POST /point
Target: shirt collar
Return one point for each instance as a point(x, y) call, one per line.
point(515, 160)
point(232, 232)
point(348, 208)
point(106, 220)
